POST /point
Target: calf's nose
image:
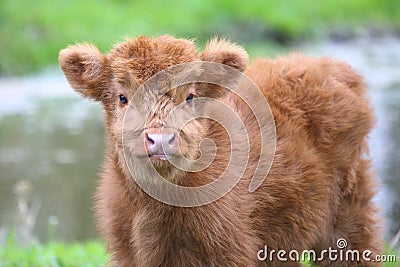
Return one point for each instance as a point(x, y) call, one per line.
point(159, 143)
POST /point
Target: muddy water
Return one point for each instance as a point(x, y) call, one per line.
point(51, 144)
point(50, 149)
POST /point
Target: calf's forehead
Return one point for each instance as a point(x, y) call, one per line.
point(143, 57)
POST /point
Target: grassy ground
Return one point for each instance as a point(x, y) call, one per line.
point(32, 33)
point(53, 254)
point(86, 254)
point(89, 254)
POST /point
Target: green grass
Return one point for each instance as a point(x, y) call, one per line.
point(387, 251)
point(54, 254)
point(32, 33)
point(86, 254)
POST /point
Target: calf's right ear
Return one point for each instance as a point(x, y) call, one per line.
point(86, 69)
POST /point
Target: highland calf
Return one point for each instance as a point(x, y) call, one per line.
point(319, 188)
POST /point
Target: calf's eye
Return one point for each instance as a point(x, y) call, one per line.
point(189, 98)
point(123, 99)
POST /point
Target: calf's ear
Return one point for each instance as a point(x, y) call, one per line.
point(86, 69)
point(224, 52)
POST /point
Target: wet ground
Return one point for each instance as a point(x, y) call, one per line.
point(51, 143)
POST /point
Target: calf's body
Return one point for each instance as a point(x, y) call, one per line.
point(319, 188)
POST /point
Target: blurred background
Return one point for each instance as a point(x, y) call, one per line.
point(51, 141)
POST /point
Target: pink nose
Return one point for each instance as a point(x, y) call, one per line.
point(159, 143)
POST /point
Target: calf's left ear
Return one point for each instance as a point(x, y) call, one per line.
point(86, 69)
point(224, 52)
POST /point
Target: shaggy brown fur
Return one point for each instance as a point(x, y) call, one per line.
point(319, 188)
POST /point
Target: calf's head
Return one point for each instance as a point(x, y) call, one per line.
point(117, 80)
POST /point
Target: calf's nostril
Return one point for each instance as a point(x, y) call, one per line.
point(149, 139)
point(171, 139)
